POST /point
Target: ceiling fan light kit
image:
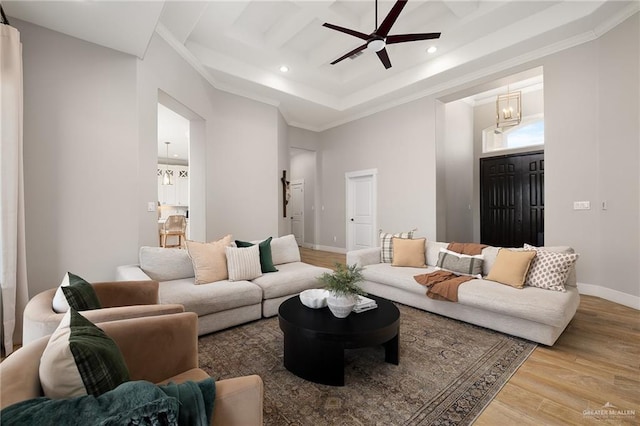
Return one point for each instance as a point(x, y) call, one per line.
point(376, 45)
point(380, 38)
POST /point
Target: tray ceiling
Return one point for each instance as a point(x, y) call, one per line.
point(240, 45)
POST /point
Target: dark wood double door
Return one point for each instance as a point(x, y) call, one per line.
point(512, 200)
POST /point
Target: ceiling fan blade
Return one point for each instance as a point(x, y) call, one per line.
point(384, 58)
point(347, 31)
point(388, 22)
point(402, 38)
point(354, 51)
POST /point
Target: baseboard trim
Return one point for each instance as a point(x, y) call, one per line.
point(330, 249)
point(610, 295)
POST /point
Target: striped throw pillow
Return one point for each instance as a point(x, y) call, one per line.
point(386, 243)
point(243, 263)
point(461, 264)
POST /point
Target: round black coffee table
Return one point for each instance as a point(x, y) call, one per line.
point(315, 340)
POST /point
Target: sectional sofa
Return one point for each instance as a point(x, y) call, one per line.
point(224, 303)
point(533, 313)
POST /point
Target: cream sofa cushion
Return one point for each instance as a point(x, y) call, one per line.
point(285, 250)
point(553, 308)
point(291, 278)
point(209, 298)
point(165, 264)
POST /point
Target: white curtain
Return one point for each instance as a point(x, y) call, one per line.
point(13, 267)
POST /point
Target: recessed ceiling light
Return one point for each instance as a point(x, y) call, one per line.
point(432, 49)
point(284, 68)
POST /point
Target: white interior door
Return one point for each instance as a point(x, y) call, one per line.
point(361, 189)
point(296, 208)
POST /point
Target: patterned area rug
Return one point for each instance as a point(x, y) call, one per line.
point(449, 371)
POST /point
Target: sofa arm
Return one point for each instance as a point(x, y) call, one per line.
point(19, 374)
point(156, 348)
point(39, 319)
point(364, 257)
point(131, 273)
point(239, 401)
point(126, 293)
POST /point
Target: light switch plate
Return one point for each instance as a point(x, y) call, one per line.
point(151, 206)
point(582, 205)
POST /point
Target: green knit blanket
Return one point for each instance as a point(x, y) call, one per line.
point(131, 403)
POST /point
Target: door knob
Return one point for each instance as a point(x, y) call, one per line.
point(351, 219)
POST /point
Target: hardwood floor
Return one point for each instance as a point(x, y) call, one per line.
point(325, 259)
point(596, 361)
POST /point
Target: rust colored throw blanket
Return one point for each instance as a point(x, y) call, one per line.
point(471, 249)
point(443, 285)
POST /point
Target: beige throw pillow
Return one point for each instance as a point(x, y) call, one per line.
point(408, 252)
point(209, 260)
point(511, 267)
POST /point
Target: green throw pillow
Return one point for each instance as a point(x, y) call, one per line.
point(80, 359)
point(80, 294)
point(266, 260)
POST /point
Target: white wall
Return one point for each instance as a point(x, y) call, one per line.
point(400, 143)
point(591, 154)
point(618, 157)
point(80, 157)
point(284, 223)
point(459, 177)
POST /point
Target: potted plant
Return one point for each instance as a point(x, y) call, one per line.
point(343, 287)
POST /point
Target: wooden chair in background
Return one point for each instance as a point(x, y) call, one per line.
point(175, 225)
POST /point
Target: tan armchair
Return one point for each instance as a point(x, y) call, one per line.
point(119, 300)
point(157, 349)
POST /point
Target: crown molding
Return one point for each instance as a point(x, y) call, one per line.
point(436, 90)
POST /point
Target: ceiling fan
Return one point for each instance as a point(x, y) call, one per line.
point(379, 38)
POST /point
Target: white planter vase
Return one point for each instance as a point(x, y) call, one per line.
point(341, 306)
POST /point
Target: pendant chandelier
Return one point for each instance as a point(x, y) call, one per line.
point(508, 109)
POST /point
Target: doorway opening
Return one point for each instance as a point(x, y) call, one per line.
point(180, 171)
point(469, 138)
point(302, 210)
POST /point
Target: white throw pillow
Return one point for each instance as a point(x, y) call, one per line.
point(80, 359)
point(285, 250)
point(243, 263)
point(59, 303)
